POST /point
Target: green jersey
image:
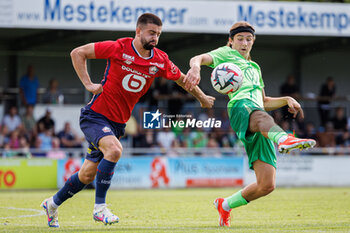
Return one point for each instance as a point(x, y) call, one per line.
point(252, 85)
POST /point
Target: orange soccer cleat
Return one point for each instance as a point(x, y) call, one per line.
point(292, 143)
point(224, 219)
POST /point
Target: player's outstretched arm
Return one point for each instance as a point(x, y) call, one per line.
point(206, 101)
point(193, 76)
point(79, 56)
point(272, 103)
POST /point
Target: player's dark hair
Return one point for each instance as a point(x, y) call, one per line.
point(147, 18)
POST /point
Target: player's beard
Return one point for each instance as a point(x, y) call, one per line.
point(147, 44)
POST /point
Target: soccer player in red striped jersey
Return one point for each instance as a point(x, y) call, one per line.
point(132, 65)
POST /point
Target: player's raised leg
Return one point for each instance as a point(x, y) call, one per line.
point(72, 186)
point(112, 150)
point(260, 121)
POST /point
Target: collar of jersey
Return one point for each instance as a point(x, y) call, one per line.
point(146, 58)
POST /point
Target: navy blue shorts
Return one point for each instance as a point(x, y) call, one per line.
point(95, 126)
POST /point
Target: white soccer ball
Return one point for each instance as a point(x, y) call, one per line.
point(226, 78)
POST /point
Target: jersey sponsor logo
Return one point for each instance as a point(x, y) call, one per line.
point(133, 82)
point(173, 68)
point(153, 70)
point(160, 65)
point(135, 71)
point(128, 57)
point(106, 129)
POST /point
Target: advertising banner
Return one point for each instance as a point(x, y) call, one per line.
point(160, 172)
point(269, 18)
point(309, 171)
point(66, 168)
point(28, 173)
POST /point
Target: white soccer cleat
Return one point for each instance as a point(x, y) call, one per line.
point(51, 213)
point(103, 214)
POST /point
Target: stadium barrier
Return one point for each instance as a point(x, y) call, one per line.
point(178, 172)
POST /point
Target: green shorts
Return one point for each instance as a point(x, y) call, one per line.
point(256, 145)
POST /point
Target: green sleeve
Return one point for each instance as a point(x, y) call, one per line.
point(218, 55)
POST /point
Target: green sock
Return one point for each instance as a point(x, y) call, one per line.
point(236, 200)
point(275, 133)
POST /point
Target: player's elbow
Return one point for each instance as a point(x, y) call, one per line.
point(74, 53)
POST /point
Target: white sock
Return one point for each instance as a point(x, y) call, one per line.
point(225, 205)
point(53, 204)
point(99, 206)
point(282, 139)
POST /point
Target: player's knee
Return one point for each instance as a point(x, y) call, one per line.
point(267, 188)
point(114, 152)
point(263, 118)
point(87, 176)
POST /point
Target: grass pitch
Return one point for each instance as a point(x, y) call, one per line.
point(184, 210)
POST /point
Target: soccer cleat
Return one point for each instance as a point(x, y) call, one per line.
point(103, 214)
point(51, 213)
point(292, 143)
point(224, 216)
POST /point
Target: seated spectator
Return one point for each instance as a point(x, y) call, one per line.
point(326, 138)
point(165, 138)
point(144, 138)
point(68, 138)
point(47, 122)
point(310, 131)
point(4, 135)
point(53, 95)
point(339, 120)
point(16, 141)
point(340, 124)
point(11, 120)
point(44, 140)
point(55, 152)
point(28, 119)
point(185, 138)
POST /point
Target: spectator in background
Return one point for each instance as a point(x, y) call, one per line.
point(165, 138)
point(340, 124)
point(339, 120)
point(44, 140)
point(11, 120)
point(327, 137)
point(16, 141)
point(47, 122)
point(289, 88)
point(29, 86)
point(68, 138)
point(176, 100)
point(28, 119)
point(53, 95)
point(310, 131)
point(55, 152)
point(327, 92)
point(4, 135)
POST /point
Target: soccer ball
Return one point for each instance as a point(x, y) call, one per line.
point(226, 78)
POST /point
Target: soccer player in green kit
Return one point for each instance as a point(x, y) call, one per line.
point(248, 117)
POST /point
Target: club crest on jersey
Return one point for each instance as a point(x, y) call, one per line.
point(153, 70)
point(106, 129)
